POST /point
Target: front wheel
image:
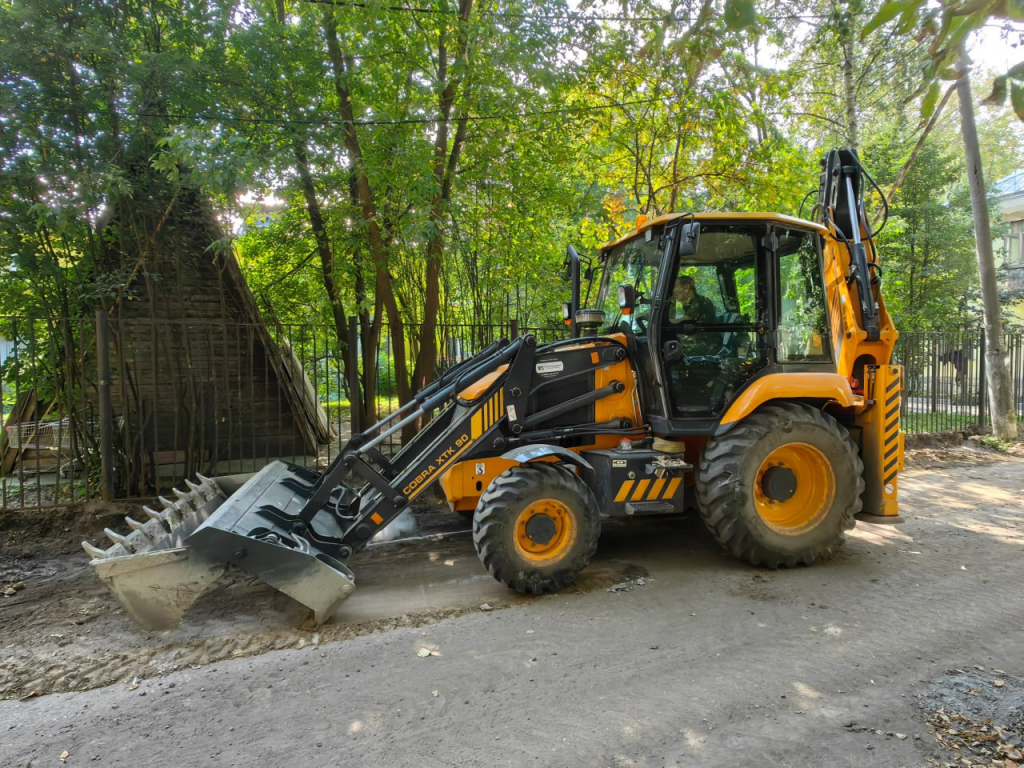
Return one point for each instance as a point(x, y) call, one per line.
point(782, 486)
point(536, 527)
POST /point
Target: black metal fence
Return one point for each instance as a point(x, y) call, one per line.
point(225, 398)
point(188, 396)
point(944, 379)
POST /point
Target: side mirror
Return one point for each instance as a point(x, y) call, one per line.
point(672, 351)
point(689, 239)
point(627, 299)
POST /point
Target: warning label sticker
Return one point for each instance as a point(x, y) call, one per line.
point(548, 368)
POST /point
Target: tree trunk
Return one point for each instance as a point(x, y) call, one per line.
point(446, 165)
point(383, 289)
point(1000, 388)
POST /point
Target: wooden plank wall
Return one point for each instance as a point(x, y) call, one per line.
point(195, 374)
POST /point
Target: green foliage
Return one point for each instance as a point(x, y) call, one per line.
point(947, 27)
point(576, 126)
point(928, 244)
point(995, 443)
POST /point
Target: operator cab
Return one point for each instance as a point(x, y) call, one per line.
point(711, 302)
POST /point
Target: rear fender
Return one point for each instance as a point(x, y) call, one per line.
point(827, 388)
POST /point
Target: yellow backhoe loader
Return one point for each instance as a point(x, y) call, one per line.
point(736, 362)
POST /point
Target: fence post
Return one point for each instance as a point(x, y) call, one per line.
point(982, 383)
point(515, 328)
point(354, 399)
point(105, 407)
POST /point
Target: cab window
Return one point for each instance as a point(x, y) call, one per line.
point(803, 329)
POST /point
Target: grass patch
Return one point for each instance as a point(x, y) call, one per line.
point(995, 443)
point(940, 421)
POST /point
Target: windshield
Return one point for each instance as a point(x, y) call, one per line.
point(636, 263)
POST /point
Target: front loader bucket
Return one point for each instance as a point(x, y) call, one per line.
point(163, 566)
point(243, 532)
point(151, 572)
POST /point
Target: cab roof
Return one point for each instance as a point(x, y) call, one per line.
point(780, 218)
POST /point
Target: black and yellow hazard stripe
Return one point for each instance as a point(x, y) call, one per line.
point(486, 417)
point(491, 412)
point(891, 428)
point(631, 490)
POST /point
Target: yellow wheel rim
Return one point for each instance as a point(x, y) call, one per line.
point(544, 532)
point(794, 488)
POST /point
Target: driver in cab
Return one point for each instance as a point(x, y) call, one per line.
point(688, 305)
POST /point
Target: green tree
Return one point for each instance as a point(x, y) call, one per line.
point(931, 278)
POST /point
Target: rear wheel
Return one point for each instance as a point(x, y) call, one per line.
point(536, 527)
point(782, 486)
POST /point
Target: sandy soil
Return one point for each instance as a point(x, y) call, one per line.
point(65, 632)
point(667, 653)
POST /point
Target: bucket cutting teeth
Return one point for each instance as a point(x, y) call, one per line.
point(162, 567)
point(153, 515)
point(118, 539)
point(172, 513)
point(93, 552)
point(149, 571)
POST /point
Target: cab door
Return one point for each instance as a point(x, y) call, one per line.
point(710, 322)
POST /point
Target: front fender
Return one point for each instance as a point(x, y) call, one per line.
point(525, 454)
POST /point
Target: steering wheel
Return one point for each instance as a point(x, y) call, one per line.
point(689, 360)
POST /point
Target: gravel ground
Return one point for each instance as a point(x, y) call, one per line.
point(669, 653)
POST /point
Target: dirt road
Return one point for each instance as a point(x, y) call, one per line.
point(669, 654)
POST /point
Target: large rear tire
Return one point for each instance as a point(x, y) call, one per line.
point(536, 527)
point(781, 487)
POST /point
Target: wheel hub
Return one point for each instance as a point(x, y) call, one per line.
point(540, 529)
point(794, 488)
point(544, 531)
point(779, 483)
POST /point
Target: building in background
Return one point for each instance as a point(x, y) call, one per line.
point(1010, 248)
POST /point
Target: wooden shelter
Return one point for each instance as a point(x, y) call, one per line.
point(197, 379)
